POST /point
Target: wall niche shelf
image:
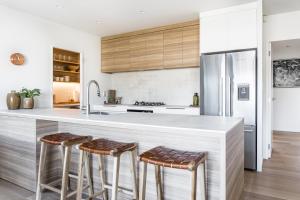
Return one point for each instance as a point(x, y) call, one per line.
point(66, 78)
point(66, 62)
point(64, 71)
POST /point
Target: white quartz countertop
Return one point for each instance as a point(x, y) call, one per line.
point(144, 120)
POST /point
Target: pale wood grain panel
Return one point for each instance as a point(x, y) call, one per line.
point(190, 46)
point(235, 163)
point(177, 180)
point(174, 47)
point(18, 152)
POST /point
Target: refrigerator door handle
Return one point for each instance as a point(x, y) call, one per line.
point(230, 97)
point(221, 97)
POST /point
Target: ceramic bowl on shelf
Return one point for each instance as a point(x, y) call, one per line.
point(67, 78)
point(73, 68)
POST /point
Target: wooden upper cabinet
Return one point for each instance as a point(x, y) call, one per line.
point(154, 50)
point(190, 46)
point(137, 52)
point(173, 46)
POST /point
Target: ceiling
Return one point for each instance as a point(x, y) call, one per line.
point(108, 17)
point(272, 7)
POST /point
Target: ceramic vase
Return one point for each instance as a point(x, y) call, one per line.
point(13, 100)
point(28, 103)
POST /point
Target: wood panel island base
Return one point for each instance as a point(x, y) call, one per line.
point(222, 138)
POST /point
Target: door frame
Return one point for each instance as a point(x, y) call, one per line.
point(269, 102)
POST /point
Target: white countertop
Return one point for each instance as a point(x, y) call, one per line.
point(196, 123)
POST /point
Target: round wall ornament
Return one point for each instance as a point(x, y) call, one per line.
point(17, 59)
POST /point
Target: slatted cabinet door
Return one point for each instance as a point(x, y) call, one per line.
point(138, 52)
point(154, 50)
point(173, 48)
point(122, 54)
point(190, 46)
point(107, 55)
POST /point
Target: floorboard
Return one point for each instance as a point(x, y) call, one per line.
point(280, 177)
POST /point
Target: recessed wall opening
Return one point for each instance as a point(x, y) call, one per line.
point(66, 79)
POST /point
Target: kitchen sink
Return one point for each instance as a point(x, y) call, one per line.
point(102, 113)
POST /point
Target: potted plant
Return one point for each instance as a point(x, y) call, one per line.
point(28, 97)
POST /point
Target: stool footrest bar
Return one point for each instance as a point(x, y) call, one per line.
point(120, 189)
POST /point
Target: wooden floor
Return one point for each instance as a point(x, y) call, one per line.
point(280, 179)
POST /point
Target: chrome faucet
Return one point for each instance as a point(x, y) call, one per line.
point(88, 106)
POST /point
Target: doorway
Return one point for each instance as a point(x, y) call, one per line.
point(283, 92)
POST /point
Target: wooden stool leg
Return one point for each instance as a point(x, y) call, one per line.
point(203, 180)
point(88, 173)
point(102, 176)
point(159, 189)
point(115, 182)
point(65, 178)
point(133, 173)
point(41, 169)
point(143, 181)
point(194, 185)
point(62, 156)
point(80, 175)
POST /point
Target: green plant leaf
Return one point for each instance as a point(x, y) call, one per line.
point(27, 93)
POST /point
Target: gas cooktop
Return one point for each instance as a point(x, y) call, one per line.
point(145, 103)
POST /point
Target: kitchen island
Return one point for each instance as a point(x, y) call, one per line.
point(222, 138)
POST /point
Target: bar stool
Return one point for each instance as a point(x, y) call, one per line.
point(65, 141)
point(104, 147)
point(164, 157)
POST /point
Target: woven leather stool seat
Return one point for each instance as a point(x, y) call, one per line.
point(107, 147)
point(60, 138)
point(166, 157)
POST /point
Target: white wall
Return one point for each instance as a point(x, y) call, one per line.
point(34, 37)
point(174, 86)
point(286, 107)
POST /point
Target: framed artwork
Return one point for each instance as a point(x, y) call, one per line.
point(286, 73)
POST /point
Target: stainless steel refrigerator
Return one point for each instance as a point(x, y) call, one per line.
point(228, 88)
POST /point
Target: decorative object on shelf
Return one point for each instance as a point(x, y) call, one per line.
point(73, 68)
point(286, 73)
point(195, 100)
point(17, 59)
point(67, 78)
point(28, 97)
point(13, 100)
